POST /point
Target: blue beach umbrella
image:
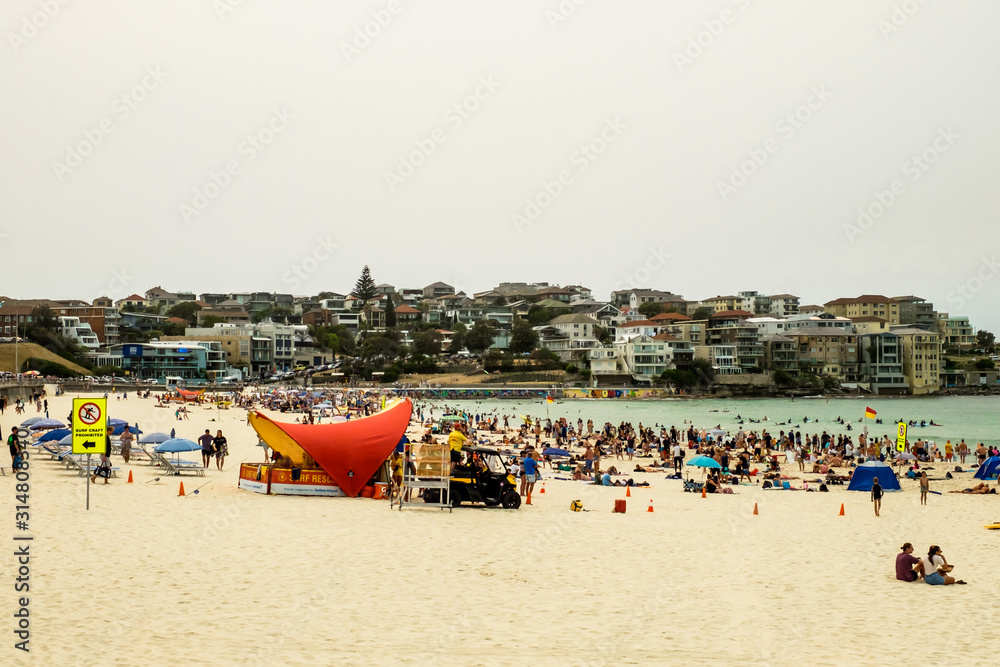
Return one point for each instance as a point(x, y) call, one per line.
point(118, 429)
point(55, 434)
point(43, 424)
point(174, 445)
point(704, 462)
point(154, 438)
point(31, 420)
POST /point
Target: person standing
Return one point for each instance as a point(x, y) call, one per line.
point(221, 449)
point(456, 440)
point(876, 496)
point(925, 486)
point(126, 442)
point(14, 443)
point(678, 457)
point(207, 447)
point(104, 468)
point(530, 472)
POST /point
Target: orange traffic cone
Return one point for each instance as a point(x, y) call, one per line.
point(528, 501)
point(181, 493)
point(129, 477)
point(841, 509)
point(703, 491)
point(543, 488)
point(755, 509)
point(650, 508)
point(628, 491)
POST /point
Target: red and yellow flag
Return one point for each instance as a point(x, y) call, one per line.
point(870, 413)
point(549, 399)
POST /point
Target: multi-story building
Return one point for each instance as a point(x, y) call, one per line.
point(915, 311)
point(645, 358)
point(921, 359)
point(869, 325)
point(133, 302)
point(731, 328)
point(881, 355)
point(191, 360)
point(633, 298)
point(755, 302)
point(569, 336)
point(720, 304)
point(819, 320)
point(874, 305)
point(438, 289)
point(692, 331)
point(955, 331)
point(79, 332)
point(830, 352)
point(722, 358)
point(768, 325)
point(784, 305)
point(781, 352)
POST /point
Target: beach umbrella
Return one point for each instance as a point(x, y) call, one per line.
point(55, 434)
point(43, 424)
point(906, 456)
point(154, 438)
point(120, 428)
point(554, 451)
point(174, 445)
point(117, 422)
point(31, 420)
point(718, 432)
point(67, 440)
point(704, 462)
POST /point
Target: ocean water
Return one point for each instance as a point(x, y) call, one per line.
point(974, 418)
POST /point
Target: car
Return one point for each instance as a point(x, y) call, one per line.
point(482, 478)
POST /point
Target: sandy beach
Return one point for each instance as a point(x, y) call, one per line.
point(224, 576)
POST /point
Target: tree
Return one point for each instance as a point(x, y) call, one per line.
point(538, 316)
point(365, 289)
point(602, 335)
point(985, 365)
point(500, 301)
point(480, 337)
point(679, 378)
point(379, 348)
point(702, 368)
point(260, 315)
point(457, 338)
point(212, 320)
point(702, 313)
point(390, 312)
point(281, 313)
point(523, 338)
point(986, 340)
point(187, 310)
point(650, 308)
point(427, 343)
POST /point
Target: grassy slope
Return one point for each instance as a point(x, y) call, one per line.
point(25, 350)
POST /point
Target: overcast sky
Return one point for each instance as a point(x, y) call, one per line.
point(700, 147)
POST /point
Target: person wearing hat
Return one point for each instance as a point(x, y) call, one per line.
point(908, 566)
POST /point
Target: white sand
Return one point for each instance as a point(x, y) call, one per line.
point(227, 576)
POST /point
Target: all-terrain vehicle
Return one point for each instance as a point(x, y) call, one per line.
point(482, 477)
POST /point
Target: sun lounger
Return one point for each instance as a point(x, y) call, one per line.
point(177, 467)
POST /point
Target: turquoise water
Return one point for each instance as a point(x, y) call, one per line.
point(975, 418)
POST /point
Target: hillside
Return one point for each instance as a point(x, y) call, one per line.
point(25, 350)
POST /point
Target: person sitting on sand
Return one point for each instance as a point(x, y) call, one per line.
point(908, 566)
point(935, 568)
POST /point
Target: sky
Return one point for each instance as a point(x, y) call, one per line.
point(701, 147)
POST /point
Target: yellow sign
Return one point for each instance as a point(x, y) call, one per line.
point(90, 424)
point(901, 437)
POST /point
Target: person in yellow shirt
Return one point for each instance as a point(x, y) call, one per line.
point(456, 440)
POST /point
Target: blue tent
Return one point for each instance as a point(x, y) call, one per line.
point(865, 473)
point(990, 468)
